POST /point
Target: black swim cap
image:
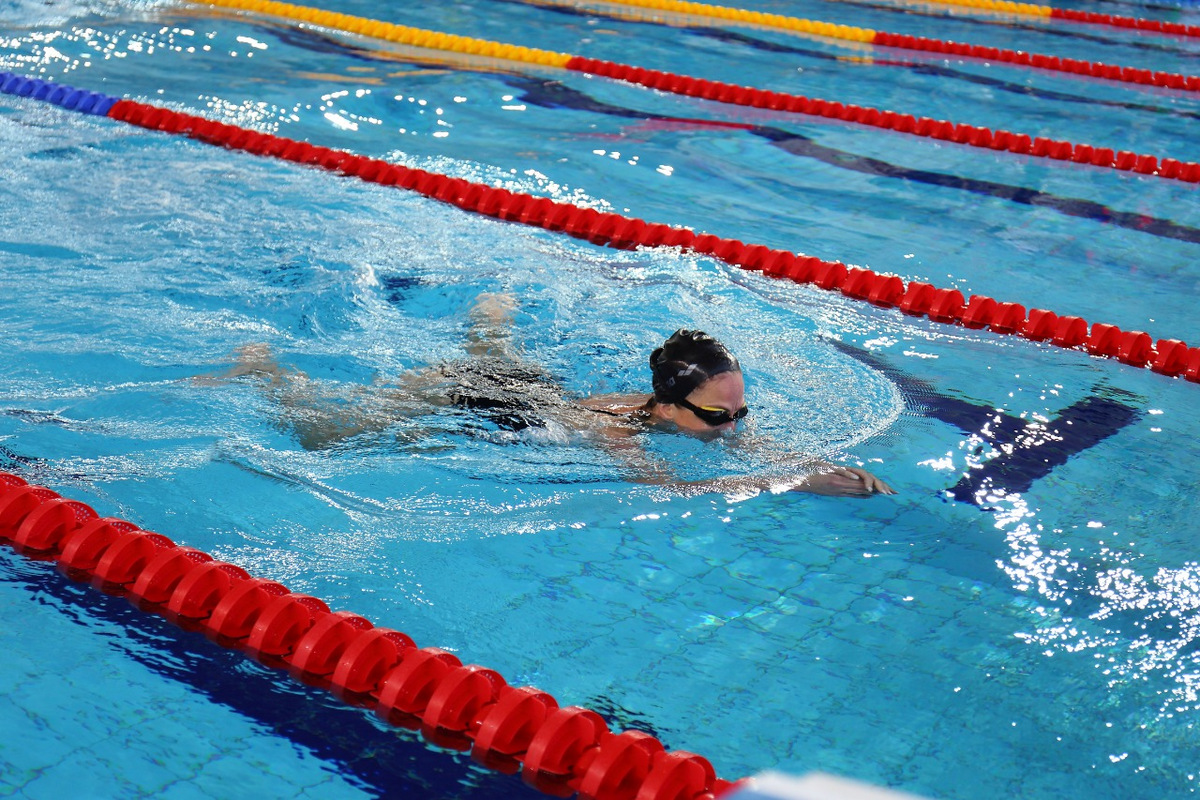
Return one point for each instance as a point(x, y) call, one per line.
point(685, 361)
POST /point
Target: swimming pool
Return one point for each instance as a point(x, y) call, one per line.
point(1028, 629)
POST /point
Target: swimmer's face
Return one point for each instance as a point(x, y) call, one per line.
point(726, 392)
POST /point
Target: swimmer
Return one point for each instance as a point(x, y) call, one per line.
point(697, 390)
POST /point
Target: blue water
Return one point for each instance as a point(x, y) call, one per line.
point(1021, 620)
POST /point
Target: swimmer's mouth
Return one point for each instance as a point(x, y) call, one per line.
point(712, 434)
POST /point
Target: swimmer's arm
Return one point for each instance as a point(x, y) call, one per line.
point(830, 481)
point(814, 477)
point(837, 481)
point(639, 466)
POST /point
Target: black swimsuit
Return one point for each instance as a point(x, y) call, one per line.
point(505, 392)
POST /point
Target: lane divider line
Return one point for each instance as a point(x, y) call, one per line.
point(399, 34)
point(1070, 15)
point(1171, 357)
point(1117, 21)
point(958, 133)
point(558, 750)
point(1015, 57)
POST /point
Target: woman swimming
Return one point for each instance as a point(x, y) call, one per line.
point(698, 390)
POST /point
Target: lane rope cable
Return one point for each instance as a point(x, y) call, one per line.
point(1171, 357)
point(959, 133)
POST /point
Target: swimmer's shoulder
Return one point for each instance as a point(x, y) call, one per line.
point(625, 406)
point(616, 417)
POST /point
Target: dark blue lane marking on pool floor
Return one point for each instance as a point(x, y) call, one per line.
point(1088, 33)
point(1029, 450)
point(1049, 94)
point(1068, 206)
point(553, 94)
point(385, 763)
point(1036, 450)
point(36, 418)
point(1032, 454)
point(304, 39)
point(942, 71)
point(34, 470)
point(397, 288)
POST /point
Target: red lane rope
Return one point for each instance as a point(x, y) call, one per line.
point(558, 750)
point(1171, 357)
point(779, 21)
point(1136, 23)
point(1095, 69)
point(974, 136)
point(884, 38)
point(959, 133)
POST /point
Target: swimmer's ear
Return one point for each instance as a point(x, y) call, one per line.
point(667, 411)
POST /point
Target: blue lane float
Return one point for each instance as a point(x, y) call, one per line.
point(58, 94)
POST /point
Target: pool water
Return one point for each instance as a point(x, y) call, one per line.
point(1022, 619)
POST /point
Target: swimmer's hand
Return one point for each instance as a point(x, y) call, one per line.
point(844, 482)
point(830, 480)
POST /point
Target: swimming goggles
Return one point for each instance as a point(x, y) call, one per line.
point(714, 416)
